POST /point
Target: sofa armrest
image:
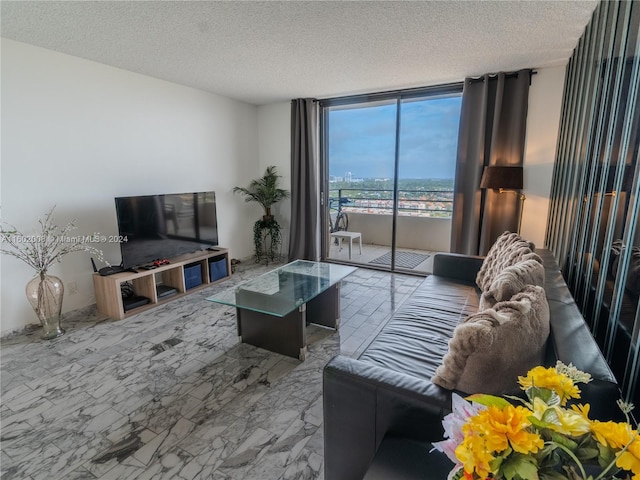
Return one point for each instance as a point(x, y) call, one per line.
point(363, 402)
point(571, 341)
point(457, 266)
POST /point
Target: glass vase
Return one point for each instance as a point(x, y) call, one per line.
point(45, 293)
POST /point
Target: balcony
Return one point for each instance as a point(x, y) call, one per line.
point(423, 226)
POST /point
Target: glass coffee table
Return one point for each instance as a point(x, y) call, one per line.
point(274, 309)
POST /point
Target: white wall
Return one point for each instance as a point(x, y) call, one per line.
point(76, 134)
point(543, 120)
point(274, 145)
point(422, 233)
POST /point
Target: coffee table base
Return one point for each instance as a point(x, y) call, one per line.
point(288, 335)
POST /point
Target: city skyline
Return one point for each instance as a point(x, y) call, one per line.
point(348, 177)
point(362, 139)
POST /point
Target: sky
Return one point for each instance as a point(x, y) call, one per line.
point(362, 139)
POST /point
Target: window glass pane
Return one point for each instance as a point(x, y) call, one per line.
point(361, 157)
point(426, 170)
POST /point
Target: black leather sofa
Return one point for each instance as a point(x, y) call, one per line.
point(387, 391)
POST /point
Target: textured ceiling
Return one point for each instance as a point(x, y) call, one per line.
point(265, 52)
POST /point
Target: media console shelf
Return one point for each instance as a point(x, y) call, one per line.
point(145, 282)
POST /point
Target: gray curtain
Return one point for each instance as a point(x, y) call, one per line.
point(304, 241)
point(492, 132)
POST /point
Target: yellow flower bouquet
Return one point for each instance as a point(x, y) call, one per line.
point(538, 438)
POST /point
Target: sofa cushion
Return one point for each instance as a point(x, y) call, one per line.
point(507, 250)
point(417, 337)
point(491, 348)
point(512, 280)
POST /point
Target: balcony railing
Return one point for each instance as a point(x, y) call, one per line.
point(419, 203)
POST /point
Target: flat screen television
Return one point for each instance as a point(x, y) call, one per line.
point(153, 227)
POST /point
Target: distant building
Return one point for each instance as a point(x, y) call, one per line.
point(347, 177)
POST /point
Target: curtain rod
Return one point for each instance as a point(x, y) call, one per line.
point(508, 75)
point(435, 89)
point(407, 92)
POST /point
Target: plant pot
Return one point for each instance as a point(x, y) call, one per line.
point(45, 293)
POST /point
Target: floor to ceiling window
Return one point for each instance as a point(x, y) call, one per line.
point(389, 163)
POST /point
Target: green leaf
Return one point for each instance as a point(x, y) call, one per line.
point(552, 475)
point(587, 453)
point(549, 397)
point(606, 456)
point(538, 423)
point(547, 450)
point(519, 466)
point(564, 441)
point(496, 463)
point(488, 400)
point(459, 474)
point(264, 190)
point(572, 474)
point(550, 416)
point(519, 400)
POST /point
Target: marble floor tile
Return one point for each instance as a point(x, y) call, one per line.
point(171, 394)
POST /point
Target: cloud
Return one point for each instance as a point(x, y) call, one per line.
point(362, 140)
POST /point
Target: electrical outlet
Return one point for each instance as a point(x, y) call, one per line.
point(73, 288)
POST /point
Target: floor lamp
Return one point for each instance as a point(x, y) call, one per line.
point(505, 180)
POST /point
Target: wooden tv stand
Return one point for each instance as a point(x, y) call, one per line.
point(145, 282)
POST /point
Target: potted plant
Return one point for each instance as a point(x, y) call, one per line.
point(266, 192)
point(40, 251)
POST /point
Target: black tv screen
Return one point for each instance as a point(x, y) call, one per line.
point(155, 227)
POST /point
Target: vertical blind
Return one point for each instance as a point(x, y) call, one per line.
point(593, 227)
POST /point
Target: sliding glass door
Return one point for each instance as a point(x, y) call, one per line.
point(428, 143)
point(389, 164)
point(361, 141)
